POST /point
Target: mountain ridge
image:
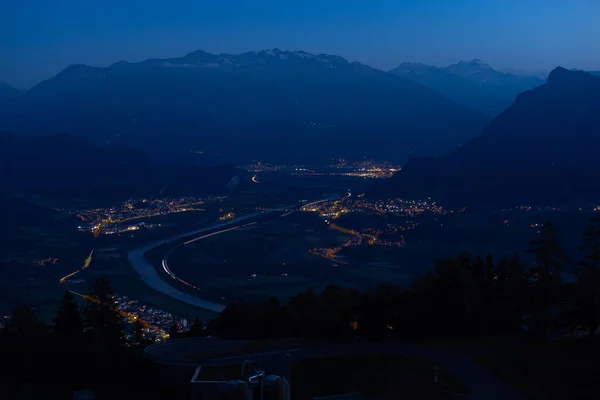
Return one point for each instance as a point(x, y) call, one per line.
point(471, 83)
point(67, 166)
point(272, 105)
point(539, 150)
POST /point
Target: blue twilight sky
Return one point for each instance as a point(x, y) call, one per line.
point(38, 38)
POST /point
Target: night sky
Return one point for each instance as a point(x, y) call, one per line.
point(38, 38)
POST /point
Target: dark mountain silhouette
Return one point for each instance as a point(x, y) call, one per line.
point(66, 166)
point(543, 149)
point(7, 91)
point(274, 105)
point(472, 83)
point(18, 213)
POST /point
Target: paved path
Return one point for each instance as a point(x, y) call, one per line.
point(483, 384)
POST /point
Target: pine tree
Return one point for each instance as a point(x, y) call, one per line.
point(197, 328)
point(102, 317)
point(68, 323)
point(590, 246)
point(549, 259)
point(23, 324)
point(589, 282)
point(138, 332)
point(23, 338)
point(173, 332)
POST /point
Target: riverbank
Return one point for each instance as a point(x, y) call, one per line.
point(148, 274)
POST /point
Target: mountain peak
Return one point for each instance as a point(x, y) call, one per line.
point(476, 63)
point(413, 65)
point(562, 77)
point(558, 73)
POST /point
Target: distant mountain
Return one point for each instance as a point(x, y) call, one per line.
point(8, 92)
point(543, 149)
point(18, 213)
point(273, 105)
point(472, 83)
point(70, 167)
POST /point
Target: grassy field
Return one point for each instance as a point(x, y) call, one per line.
point(271, 259)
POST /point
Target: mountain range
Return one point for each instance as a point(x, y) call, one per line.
point(471, 83)
point(273, 105)
point(542, 150)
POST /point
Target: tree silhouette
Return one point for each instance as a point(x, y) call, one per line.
point(589, 282)
point(197, 328)
point(549, 264)
point(173, 331)
point(138, 332)
point(23, 337)
point(24, 324)
point(68, 323)
point(102, 317)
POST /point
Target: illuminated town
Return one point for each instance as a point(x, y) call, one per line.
point(363, 169)
point(109, 219)
point(156, 323)
point(335, 209)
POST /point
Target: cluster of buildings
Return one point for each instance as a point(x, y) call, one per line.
point(156, 322)
point(371, 237)
point(364, 169)
point(131, 210)
point(332, 210)
point(263, 167)
point(227, 216)
point(337, 208)
point(3, 320)
point(47, 261)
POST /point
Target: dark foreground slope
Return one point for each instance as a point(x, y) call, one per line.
point(543, 149)
point(271, 105)
point(70, 167)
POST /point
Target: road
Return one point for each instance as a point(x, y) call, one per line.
point(150, 277)
point(483, 384)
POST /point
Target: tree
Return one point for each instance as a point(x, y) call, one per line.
point(102, 317)
point(23, 324)
point(549, 258)
point(173, 331)
point(23, 338)
point(588, 286)
point(68, 323)
point(590, 244)
point(138, 332)
point(197, 328)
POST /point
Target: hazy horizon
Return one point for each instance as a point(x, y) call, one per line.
point(542, 72)
point(41, 39)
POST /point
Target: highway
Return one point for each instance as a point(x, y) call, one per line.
point(150, 277)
